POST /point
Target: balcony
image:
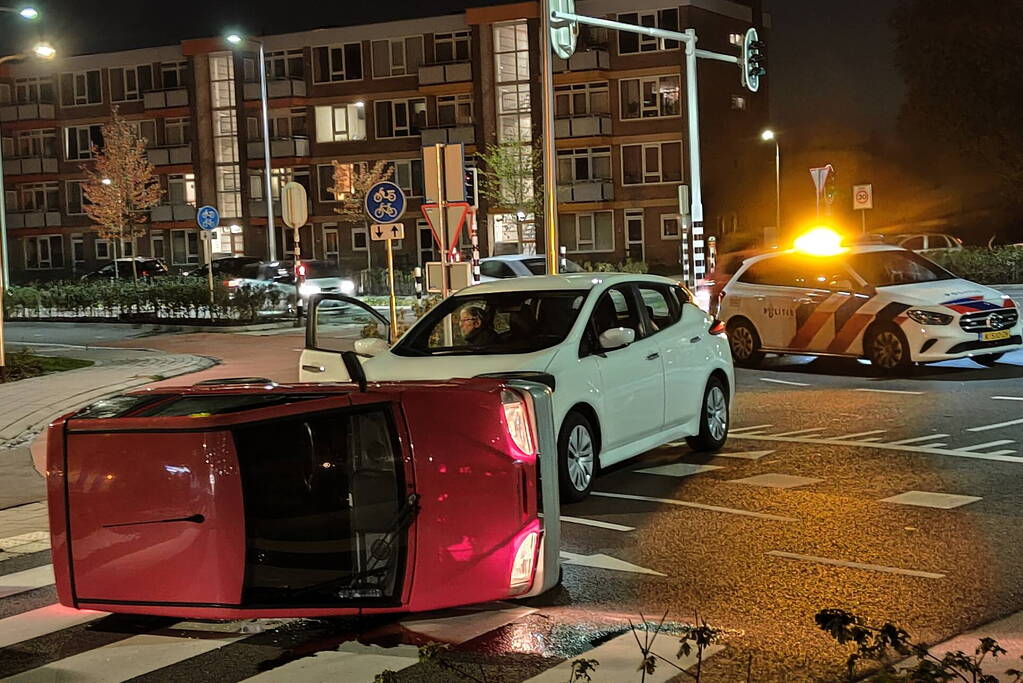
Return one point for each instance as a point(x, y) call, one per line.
point(281, 87)
point(27, 112)
point(165, 213)
point(29, 165)
point(445, 135)
point(583, 126)
point(436, 74)
point(584, 61)
point(164, 156)
point(257, 208)
point(33, 219)
point(280, 147)
point(161, 99)
point(586, 191)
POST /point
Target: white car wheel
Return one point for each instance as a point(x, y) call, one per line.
point(577, 457)
point(713, 418)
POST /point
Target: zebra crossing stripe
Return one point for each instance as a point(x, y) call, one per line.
point(353, 662)
point(43, 621)
point(27, 580)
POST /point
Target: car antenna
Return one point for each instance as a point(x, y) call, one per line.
point(355, 369)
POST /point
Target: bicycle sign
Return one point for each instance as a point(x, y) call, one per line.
point(385, 203)
point(207, 218)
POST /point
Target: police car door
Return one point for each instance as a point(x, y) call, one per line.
point(825, 297)
point(768, 299)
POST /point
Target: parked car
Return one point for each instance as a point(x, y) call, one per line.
point(884, 303)
point(144, 267)
point(924, 243)
point(228, 267)
point(317, 276)
point(519, 265)
point(263, 500)
point(632, 362)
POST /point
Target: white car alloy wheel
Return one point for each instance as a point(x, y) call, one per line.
point(717, 412)
point(580, 457)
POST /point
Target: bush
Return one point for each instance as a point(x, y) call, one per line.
point(1002, 265)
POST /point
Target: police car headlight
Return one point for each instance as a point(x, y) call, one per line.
point(929, 317)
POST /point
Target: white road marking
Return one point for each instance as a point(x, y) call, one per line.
point(800, 431)
point(1008, 398)
point(465, 627)
point(744, 455)
point(735, 430)
point(776, 481)
point(782, 381)
point(1006, 631)
point(602, 561)
point(996, 425)
point(891, 391)
point(856, 565)
point(997, 456)
point(979, 446)
point(679, 469)
point(27, 580)
point(597, 523)
point(918, 438)
point(869, 438)
point(618, 658)
point(1000, 452)
point(352, 662)
point(859, 434)
point(698, 506)
point(43, 621)
point(931, 499)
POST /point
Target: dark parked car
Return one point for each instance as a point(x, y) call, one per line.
point(228, 267)
point(144, 268)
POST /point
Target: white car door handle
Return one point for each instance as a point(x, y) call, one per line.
point(653, 356)
point(695, 339)
point(313, 368)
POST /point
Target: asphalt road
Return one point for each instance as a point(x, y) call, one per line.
point(800, 512)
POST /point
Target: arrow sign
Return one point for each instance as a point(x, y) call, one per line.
point(601, 561)
point(387, 231)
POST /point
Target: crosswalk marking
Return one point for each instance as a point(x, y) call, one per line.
point(597, 523)
point(997, 425)
point(41, 622)
point(859, 434)
point(855, 565)
point(782, 381)
point(679, 469)
point(698, 506)
point(891, 391)
point(776, 481)
point(737, 430)
point(989, 444)
point(800, 431)
point(27, 580)
point(465, 627)
point(602, 561)
point(1008, 398)
point(997, 456)
point(931, 499)
point(352, 663)
point(918, 438)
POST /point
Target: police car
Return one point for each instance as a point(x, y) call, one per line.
point(880, 302)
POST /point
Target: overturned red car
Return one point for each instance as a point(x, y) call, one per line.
point(258, 500)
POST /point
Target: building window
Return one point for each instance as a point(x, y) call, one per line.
point(671, 227)
point(279, 177)
point(360, 239)
point(76, 199)
point(181, 189)
point(325, 179)
point(634, 234)
point(581, 99)
point(172, 74)
point(582, 165)
point(634, 43)
point(102, 249)
point(451, 47)
point(157, 247)
point(82, 87)
point(177, 132)
point(511, 65)
point(285, 64)
point(127, 247)
point(80, 139)
point(738, 103)
point(397, 56)
point(331, 243)
point(587, 232)
point(77, 249)
point(127, 83)
point(337, 63)
point(145, 130)
point(34, 91)
point(40, 197)
point(454, 110)
point(340, 123)
point(36, 143)
point(184, 247)
point(285, 124)
point(652, 163)
point(400, 118)
point(651, 97)
point(45, 252)
point(226, 171)
point(408, 175)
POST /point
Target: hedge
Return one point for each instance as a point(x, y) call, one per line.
point(1002, 265)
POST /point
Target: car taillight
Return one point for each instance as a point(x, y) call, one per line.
point(233, 283)
point(717, 327)
point(518, 421)
point(522, 567)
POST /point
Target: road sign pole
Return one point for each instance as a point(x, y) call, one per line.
point(209, 271)
point(392, 304)
point(695, 184)
point(550, 194)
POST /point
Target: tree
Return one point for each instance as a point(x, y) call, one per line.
point(351, 183)
point(509, 180)
point(120, 185)
point(961, 63)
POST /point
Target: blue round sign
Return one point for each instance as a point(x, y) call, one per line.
point(385, 203)
point(207, 217)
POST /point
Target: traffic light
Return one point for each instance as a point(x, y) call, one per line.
point(753, 62)
point(829, 186)
point(472, 187)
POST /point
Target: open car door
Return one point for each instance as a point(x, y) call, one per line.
point(334, 322)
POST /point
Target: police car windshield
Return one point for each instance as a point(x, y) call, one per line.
point(896, 267)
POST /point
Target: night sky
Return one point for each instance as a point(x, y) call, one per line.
point(830, 61)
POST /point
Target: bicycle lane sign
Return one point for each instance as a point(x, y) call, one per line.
point(385, 203)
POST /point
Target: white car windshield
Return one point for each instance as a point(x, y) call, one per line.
point(896, 267)
point(495, 323)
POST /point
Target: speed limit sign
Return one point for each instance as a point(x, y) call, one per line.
point(863, 197)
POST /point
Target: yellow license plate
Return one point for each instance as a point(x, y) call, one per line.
point(994, 336)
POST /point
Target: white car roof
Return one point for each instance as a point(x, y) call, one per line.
point(565, 281)
point(513, 257)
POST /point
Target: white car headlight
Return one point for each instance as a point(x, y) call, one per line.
point(347, 287)
point(308, 288)
point(929, 317)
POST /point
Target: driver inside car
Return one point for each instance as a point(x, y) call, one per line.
point(475, 329)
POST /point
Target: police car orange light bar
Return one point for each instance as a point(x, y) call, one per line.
point(821, 241)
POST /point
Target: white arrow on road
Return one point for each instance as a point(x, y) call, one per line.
point(601, 561)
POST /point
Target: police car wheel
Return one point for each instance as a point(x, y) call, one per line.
point(888, 350)
point(744, 342)
point(988, 359)
point(713, 418)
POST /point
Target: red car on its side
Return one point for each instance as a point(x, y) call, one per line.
point(261, 500)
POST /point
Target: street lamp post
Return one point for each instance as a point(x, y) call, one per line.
point(769, 136)
point(271, 236)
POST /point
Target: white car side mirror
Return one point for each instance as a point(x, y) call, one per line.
point(616, 338)
point(371, 346)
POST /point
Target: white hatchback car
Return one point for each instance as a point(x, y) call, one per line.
point(519, 265)
point(632, 362)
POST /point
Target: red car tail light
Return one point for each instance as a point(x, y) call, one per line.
point(519, 421)
point(522, 566)
point(717, 327)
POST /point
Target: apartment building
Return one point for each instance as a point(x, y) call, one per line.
point(359, 94)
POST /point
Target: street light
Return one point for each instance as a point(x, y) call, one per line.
point(25, 12)
point(769, 136)
point(271, 237)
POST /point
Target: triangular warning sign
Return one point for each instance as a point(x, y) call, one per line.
point(456, 213)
